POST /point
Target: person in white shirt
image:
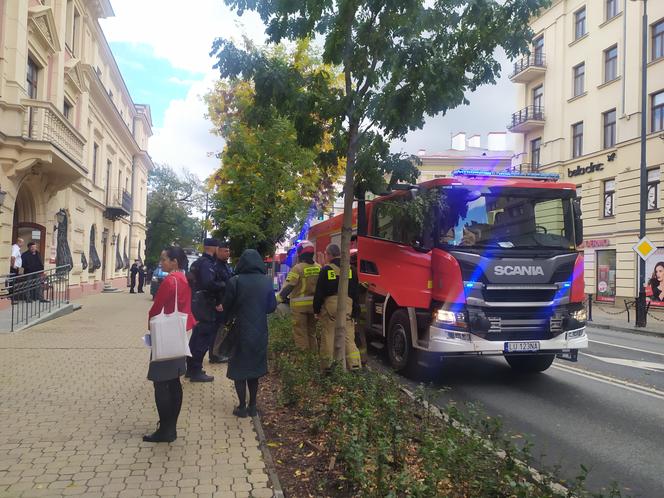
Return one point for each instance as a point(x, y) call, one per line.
point(16, 261)
point(16, 264)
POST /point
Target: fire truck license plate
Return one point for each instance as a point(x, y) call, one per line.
point(521, 347)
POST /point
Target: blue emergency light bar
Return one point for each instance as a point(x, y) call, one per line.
point(550, 177)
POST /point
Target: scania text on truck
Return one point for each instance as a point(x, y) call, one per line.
point(479, 263)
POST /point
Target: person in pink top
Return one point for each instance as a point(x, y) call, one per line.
point(166, 374)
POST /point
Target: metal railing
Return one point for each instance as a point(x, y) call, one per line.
point(533, 60)
point(35, 294)
point(532, 112)
point(523, 168)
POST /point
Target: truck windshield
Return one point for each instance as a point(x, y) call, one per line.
point(505, 218)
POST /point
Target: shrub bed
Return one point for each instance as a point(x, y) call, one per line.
point(359, 434)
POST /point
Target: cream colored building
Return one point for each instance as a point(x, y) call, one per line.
point(579, 113)
point(72, 141)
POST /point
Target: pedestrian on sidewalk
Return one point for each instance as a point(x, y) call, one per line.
point(223, 273)
point(133, 272)
point(142, 272)
point(249, 299)
point(16, 268)
point(166, 374)
point(32, 264)
point(204, 286)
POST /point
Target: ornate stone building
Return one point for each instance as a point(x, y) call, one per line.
point(73, 144)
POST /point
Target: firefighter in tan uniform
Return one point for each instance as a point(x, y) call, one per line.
point(299, 287)
point(325, 307)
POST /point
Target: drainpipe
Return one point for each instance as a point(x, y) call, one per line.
point(624, 58)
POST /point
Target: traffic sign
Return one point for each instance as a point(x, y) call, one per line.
point(644, 248)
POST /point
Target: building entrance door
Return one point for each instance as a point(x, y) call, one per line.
point(31, 232)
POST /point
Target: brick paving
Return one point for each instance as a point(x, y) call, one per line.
point(75, 401)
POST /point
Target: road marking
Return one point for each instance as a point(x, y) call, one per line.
point(629, 386)
point(626, 347)
point(645, 365)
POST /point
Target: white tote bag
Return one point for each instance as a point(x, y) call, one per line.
point(168, 333)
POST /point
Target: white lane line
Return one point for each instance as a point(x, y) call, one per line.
point(629, 386)
point(626, 347)
point(644, 365)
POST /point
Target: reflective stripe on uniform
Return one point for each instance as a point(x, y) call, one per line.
point(311, 271)
point(302, 301)
point(292, 276)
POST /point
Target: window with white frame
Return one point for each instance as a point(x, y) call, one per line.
point(609, 119)
point(611, 64)
point(577, 139)
point(579, 23)
point(653, 189)
point(657, 111)
point(32, 78)
point(609, 198)
point(611, 9)
point(579, 78)
point(535, 147)
point(658, 40)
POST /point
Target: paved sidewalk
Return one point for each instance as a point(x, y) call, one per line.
point(609, 317)
point(74, 403)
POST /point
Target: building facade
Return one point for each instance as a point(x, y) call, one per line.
point(579, 115)
point(73, 144)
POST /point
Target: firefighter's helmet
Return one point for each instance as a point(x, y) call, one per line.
point(305, 247)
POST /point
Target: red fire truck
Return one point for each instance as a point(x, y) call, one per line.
point(480, 263)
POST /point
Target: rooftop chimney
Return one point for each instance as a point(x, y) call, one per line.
point(475, 142)
point(497, 140)
point(421, 152)
point(459, 141)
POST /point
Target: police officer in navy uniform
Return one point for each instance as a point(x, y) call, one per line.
point(223, 272)
point(205, 288)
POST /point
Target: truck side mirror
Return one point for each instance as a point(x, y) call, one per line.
point(419, 247)
point(578, 222)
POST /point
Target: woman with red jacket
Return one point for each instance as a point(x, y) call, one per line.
point(166, 374)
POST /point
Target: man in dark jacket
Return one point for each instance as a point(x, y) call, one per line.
point(205, 287)
point(223, 274)
point(133, 272)
point(32, 263)
point(325, 308)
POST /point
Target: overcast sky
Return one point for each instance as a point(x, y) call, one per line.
point(162, 50)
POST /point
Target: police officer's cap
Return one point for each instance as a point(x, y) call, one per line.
point(305, 247)
point(210, 242)
point(224, 244)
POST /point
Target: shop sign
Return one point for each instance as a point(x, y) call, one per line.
point(595, 243)
point(580, 170)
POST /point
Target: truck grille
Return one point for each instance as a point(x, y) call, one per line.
point(514, 324)
point(520, 295)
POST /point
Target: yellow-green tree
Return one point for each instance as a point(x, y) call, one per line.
point(271, 176)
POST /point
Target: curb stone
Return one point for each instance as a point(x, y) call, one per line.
point(267, 457)
point(629, 330)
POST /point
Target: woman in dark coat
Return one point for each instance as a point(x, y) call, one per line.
point(249, 299)
point(166, 373)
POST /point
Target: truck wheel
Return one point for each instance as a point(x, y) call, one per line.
point(530, 363)
point(403, 358)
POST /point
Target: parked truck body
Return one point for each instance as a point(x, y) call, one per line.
point(475, 264)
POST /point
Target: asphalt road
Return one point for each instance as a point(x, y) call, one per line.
point(606, 411)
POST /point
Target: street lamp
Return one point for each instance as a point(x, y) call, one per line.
point(641, 310)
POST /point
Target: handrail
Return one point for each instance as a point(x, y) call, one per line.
point(533, 60)
point(532, 112)
point(36, 293)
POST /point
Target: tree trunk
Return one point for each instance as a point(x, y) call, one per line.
point(346, 231)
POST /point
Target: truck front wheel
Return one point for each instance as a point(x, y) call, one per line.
point(399, 345)
point(530, 363)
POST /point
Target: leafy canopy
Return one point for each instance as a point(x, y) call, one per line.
point(171, 207)
point(271, 176)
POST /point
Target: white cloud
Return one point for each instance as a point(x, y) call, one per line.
point(182, 33)
point(185, 141)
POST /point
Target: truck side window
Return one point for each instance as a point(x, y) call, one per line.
point(384, 222)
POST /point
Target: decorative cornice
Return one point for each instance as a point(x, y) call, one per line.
point(74, 74)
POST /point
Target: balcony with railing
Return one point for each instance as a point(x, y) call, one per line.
point(523, 168)
point(527, 119)
point(528, 69)
point(45, 124)
point(119, 204)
